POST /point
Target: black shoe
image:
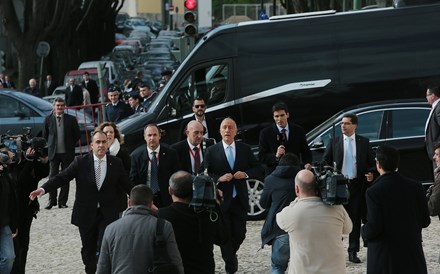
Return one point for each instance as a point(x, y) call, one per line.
point(49, 206)
point(62, 206)
point(352, 257)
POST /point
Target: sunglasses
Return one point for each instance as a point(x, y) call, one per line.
point(199, 106)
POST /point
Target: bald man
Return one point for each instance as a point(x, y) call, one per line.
point(315, 230)
point(191, 150)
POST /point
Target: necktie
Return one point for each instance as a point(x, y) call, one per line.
point(154, 184)
point(98, 174)
point(283, 136)
point(59, 120)
point(348, 160)
point(196, 160)
point(230, 158)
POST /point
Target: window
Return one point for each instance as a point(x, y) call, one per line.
point(369, 124)
point(408, 122)
point(209, 83)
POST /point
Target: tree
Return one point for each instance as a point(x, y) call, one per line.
point(76, 30)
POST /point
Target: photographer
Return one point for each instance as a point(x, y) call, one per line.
point(315, 230)
point(29, 172)
point(8, 207)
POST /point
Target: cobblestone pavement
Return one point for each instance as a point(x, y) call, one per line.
point(55, 246)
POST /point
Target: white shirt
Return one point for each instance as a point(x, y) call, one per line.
point(149, 163)
point(191, 154)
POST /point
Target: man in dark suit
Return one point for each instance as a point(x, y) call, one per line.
point(397, 212)
point(49, 85)
point(62, 133)
point(74, 94)
point(91, 86)
point(100, 179)
point(281, 137)
point(355, 159)
point(32, 89)
point(211, 127)
point(432, 127)
point(153, 164)
point(191, 150)
point(230, 163)
point(116, 110)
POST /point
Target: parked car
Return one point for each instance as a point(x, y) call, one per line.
point(19, 110)
point(60, 91)
point(400, 124)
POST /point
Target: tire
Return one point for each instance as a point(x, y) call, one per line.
point(256, 211)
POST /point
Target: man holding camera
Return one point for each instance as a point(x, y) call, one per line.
point(29, 171)
point(315, 230)
point(61, 131)
point(354, 157)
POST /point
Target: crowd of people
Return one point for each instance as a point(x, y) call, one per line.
point(121, 197)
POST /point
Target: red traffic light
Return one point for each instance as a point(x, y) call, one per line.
point(190, 4)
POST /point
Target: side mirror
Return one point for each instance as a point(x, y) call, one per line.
point(317, 143)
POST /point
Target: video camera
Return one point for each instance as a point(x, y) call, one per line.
point(331, 186)
point(18, 144)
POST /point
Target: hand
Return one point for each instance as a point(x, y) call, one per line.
point(280, 151)
point(240, 175)
point(36, 193)
point(154, 208)
point(226, 178)
point(30, 153)
point(369, 176)
point(44, 159)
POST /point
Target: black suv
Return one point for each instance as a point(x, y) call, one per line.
point(400, 124)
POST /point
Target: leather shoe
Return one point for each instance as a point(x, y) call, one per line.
point(352, 257)
point(62, 206)
point(49, 206)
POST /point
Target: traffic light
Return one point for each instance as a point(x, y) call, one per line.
point(190, 18)
point(2, 61)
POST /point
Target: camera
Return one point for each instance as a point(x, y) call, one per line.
point(331, 186)
point(18, 144)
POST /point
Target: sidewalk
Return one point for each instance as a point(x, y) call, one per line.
point(55, 246)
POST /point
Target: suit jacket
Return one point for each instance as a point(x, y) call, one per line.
point(433, 131)
point(182, 148)
point(49, 89)
point(117, 113)
point(167, 166)
point(71, 134)
point(397, 212)
point(87, 194)
point(217, 165)
point(213, 128)
point(93, 89)
point(270, 140)
point(74, 97)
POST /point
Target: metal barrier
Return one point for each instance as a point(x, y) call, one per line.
point(90, 116)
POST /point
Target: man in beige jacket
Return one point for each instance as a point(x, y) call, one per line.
point(315, 230)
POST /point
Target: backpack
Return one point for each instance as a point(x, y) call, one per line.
point(204, 193)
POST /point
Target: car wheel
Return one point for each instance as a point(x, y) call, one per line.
point(255, 188)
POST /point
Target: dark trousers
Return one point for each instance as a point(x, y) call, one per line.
point(235, 223)
point(21, 242)
point(91, 238)
point(63, 160)
point(354, 209)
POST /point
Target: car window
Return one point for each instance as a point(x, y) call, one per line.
point(370, 124)
point(7, 106)
point(408, 122)
point(209, 83)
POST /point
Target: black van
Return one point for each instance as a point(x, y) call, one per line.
point(317, 63)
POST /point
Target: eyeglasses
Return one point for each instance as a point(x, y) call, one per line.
point(199, 106)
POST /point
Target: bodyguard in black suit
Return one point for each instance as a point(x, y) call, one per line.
point(49, 85)
point(358, 168)
point(230, 163)
point(142, 160)
point(62, 133)
point(397, 212)
point(281, 137)
point(91, 86)
point(191, 150)
point(211, 127)
point(116, 110)
point(100, 179)
point(74, 94)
